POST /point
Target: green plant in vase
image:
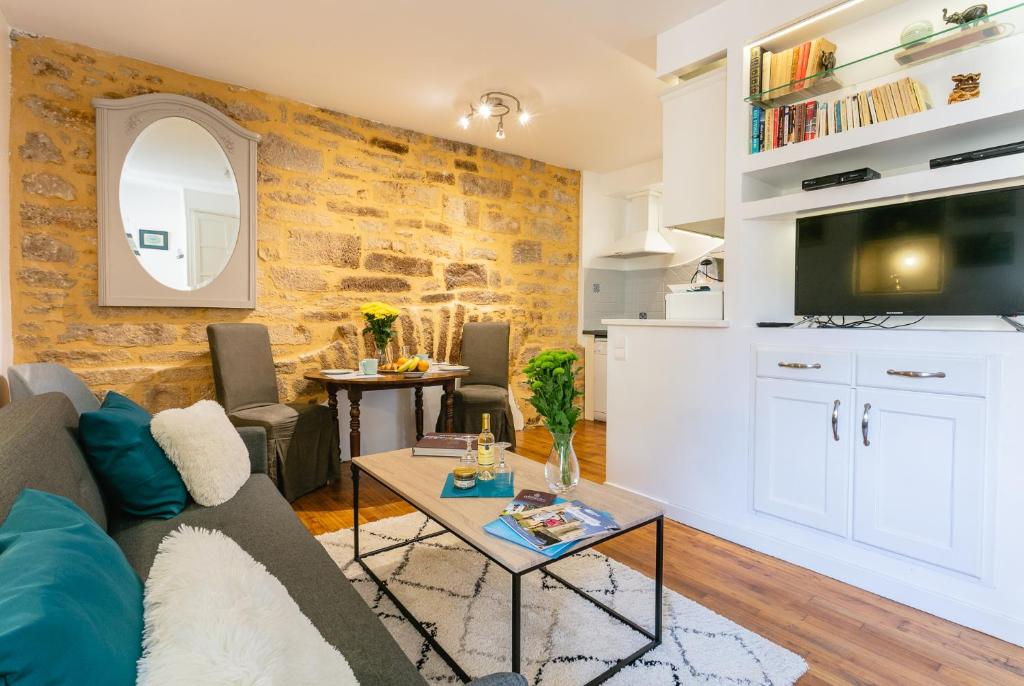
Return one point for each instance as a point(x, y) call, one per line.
point(552, 378)
point(380, 320)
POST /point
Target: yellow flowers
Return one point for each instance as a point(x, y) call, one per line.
point(378, 310)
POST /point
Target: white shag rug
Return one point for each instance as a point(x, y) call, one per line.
point(465, 600)
point(215, 616)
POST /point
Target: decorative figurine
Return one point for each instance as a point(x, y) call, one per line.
point(972, 13)
point(916, 32)
point(828, 60)
point(967, 87)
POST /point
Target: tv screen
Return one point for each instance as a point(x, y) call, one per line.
point(957, 255)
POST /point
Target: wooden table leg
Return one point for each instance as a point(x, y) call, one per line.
point(449, 406)
point(354, 396)
point(332, 402)
point(418, 391)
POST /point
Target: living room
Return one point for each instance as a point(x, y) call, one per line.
point(665, 343)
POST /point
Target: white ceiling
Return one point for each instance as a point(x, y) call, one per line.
point(584, 66)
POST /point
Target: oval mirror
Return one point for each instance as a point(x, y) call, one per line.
point(179, 203)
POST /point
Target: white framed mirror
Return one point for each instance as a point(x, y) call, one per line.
point(177, 204)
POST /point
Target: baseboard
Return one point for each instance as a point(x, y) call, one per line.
point(975, 617)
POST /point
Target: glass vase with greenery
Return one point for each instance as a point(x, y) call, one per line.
point(380, 320)
point(552, 378)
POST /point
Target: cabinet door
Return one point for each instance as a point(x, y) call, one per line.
point(693, 155)
point(919, 476)
point(802, 452)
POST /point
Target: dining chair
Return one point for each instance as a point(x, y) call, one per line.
point(485, 389)
point(303, 450)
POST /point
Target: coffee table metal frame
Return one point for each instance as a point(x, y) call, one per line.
point(654, 638)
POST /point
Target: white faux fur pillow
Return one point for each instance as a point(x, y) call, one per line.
point(214, 616)
point(207, 450)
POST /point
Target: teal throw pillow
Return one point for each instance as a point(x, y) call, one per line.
point(132, 467)
point(70, 604)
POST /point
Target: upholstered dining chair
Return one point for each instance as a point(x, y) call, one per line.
point(302, 439)
point(485, 352)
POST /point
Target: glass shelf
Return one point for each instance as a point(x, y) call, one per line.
point(948, 41)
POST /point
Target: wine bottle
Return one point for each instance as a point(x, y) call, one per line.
point(485, 450)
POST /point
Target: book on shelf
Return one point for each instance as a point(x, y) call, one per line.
point(443, 445)
point(756, 54)
point(776, 127)
point(542, 520)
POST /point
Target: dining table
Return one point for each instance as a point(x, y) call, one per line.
point(357, 384)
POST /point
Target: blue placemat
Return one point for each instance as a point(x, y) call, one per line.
point(483, 489)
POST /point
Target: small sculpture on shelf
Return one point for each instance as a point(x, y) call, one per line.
point(916, 32)
point(828, 60)
point(972, 13)
point(967, 87)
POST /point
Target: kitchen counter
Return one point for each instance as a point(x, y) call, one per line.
point(682, 323)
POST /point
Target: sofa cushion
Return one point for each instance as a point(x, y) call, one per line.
point(207, 450)
point(38, 450)
point(70, 605)
point(132, 468)
point(263, 524)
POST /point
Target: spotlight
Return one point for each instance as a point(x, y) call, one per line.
point(524, 117)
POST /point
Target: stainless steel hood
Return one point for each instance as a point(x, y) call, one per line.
point(643, 229)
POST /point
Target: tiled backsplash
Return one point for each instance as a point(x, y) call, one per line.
point(612, 294)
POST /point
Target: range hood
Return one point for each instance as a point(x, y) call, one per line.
point(643, 229)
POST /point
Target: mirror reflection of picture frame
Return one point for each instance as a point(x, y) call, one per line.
point(153, 239)
point(131, 242)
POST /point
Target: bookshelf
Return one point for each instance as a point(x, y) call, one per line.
point(893, 58)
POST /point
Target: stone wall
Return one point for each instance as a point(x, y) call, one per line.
point(349, 210)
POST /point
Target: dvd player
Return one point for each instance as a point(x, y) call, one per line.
point(974, 156)
point(855, 176)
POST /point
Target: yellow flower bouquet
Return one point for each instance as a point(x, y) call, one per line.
point(380, 318)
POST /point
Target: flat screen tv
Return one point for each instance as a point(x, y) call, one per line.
point(956, 255)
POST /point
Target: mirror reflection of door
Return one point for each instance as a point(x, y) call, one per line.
point(177, 179)
point(210, 239)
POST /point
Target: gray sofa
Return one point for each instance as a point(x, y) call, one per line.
point(38, 449)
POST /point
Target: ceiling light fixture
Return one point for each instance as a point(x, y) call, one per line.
point(496, 104)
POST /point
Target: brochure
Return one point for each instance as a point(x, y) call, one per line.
point(543, 522)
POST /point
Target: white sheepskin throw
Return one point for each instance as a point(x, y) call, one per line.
point(207, 450)
point(215, 616)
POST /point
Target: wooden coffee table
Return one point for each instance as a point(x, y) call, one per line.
point(418, 481)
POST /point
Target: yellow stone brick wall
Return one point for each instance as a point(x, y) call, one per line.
point(349, 210)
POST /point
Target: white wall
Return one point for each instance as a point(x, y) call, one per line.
point(159, 208)
point(6, 334)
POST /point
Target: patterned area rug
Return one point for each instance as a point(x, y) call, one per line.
point(465, 600)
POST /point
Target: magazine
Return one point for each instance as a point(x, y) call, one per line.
point(542, 522)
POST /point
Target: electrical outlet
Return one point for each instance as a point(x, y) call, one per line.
point(643, 315)
point(597, 288)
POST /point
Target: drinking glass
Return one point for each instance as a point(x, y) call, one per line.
point(469, 457)
point(502, 472)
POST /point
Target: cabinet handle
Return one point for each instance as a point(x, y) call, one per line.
point(835, 420)
point(800, 365)
point(916, 375)
point(864, 423)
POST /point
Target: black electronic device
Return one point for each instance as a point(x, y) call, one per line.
point(774, 325)
point(954, 255)
point(977, 155)
point(840, 179)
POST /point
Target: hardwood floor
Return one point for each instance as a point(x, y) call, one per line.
point(847, 636)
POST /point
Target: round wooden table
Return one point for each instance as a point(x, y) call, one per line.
point(356, 385)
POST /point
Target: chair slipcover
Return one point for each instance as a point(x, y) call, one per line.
point(485, 390)
point(302, 439)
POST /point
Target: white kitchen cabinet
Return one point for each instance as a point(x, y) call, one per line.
point(601, 380)
point(693, 151)
point(802, 452)
point(919, 476)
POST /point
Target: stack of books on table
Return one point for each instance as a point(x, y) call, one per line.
point(443, 445)
point(777, 127)
point(548, 524)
